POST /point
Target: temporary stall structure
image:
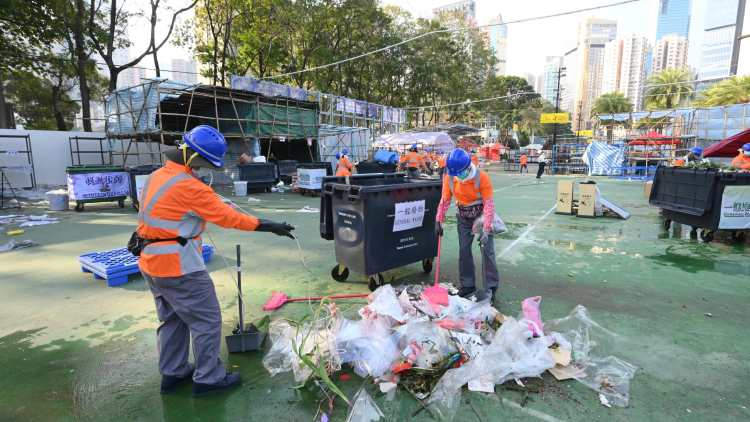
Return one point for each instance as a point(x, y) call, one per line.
point(424, 140)
point(728, 147)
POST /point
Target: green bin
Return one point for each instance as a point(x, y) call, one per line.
point(98, 183)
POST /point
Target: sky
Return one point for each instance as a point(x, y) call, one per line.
point(528, 43)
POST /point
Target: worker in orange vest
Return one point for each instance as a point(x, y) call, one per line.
point(428, 159)
point(441, 164)
point(413, 161)
point(743, 159)
point(523, 163)
point(344, 167)
point(472, 189)
point(174, 208)
point(474, 158)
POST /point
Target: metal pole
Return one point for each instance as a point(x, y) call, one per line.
point(557, 105)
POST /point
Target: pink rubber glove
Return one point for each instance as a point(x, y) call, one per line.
point(443, 210)
point(489, 214)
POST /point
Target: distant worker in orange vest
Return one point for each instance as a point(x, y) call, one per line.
point(413, 160)
point(695, 155)
point(442, 158)
point(344, 168)
point(175, 207)
point(743, 160)
point(428, 159)
point(524, 159)
point(474, 158)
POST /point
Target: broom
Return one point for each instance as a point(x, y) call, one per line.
point(278, 299)
point(437, 294)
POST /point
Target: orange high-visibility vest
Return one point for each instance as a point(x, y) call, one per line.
point(412, 159)
point(741, 160)
point(176, 204)
point(471, 192)
point(344, 168)
point(523, 159)
point(442, 161)
point(475, 160)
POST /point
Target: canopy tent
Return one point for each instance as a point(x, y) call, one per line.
point(498, 145)
point(454, 131)
point(424, 140)
point(467, 145)
point(665, 142)
point(532, 146)
point(729, 146)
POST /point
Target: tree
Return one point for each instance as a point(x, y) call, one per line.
point(43, 103)
point(735, 90)
point(611, 103)
point(669, 88)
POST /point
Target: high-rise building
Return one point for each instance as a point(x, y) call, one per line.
point(131, 76)
point(584, 63)
point(185, 71)
point(467, 7)
point(530, 79)
point(673, 17)
point(549, 86)
point(625, 67)
point(497, 37)
point(720, 50)
point(539, 84)
point(670, 51)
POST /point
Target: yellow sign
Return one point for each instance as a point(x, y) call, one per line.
point(585, 133)
point(515, 127)
point(555, 118)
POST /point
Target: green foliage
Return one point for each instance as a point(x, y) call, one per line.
point(669, 88)
point(35, 100)
point(735, 90)
point(611, 103)
point(26, 28)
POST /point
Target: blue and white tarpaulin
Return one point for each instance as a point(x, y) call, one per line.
point(424, 140)
point(268, 89)
point(601, 158)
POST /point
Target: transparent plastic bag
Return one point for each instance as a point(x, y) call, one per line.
point(364, 408)
point(531, 312)
point(498, 226)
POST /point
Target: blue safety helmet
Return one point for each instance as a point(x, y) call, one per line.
point(696, 151)
point(207, 142)
point(746, 147)
point(413, 146)
point(458, 161)
point(473, 152)
point(345, 151)
point(338, 156)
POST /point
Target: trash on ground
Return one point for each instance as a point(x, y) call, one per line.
point(253, 200)
point(17, 245)
point(307, 208)
point(14, 232)
point(604, 400)
point(364, 409)
point(38, 223)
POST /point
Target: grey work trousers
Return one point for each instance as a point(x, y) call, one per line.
point(490, 277)
point(187, 305)
point(415, 174)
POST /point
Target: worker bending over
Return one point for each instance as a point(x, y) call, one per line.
point(695, 155)
point(743, 159)
point(413, 161)
point(344, 167)
point(175, 206)
point(472, 189)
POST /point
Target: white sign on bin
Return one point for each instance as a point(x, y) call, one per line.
point(139, 181)
point(735, 208)
point(408, 215)
point(98, 185)
point(310, 178)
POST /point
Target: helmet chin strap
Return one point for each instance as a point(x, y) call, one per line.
point(187, 160)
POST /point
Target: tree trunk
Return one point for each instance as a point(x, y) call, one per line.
point(61, 126)
point(81, 65)
point(155, 6)
point(669, 102)
point(3, 121)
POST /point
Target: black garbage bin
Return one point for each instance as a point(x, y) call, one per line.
point(257, 175)
point(142, 170)
point(286, 168)
point(368, 167)
point(383, 223)
point(705, 199)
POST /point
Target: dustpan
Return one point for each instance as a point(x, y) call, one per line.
point(243, 338)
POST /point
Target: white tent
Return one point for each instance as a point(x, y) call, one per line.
point(535, 147)
point(424, 140)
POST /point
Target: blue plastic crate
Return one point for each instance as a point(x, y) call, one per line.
point(115, 265)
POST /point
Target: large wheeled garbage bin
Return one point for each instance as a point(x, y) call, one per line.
point(258, 175)
point(286, 168)
point(326, 200)
point(310, 176)
point(383, 223)
point(705, 199)
point(98, 183)
point(138, 175)
point(369, 167)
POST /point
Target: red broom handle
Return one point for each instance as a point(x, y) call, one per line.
point(437, 270)
point(329, 297)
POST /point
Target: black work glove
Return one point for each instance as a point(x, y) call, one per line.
point(279, 229)
point(482, 237)
point(438, 229)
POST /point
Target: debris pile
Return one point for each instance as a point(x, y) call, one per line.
point(403, 340)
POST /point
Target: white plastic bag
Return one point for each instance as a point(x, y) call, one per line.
point(498, 226)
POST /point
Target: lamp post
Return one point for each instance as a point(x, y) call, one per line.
point(557, 103)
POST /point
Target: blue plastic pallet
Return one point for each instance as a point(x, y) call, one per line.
point(115, 265)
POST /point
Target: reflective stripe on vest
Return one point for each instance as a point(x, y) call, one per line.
point(413, 162)
point(190, 227)
point(476, 186)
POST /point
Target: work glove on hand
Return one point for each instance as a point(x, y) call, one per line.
point(438, 229)
point(279, 229)
point(483, 238)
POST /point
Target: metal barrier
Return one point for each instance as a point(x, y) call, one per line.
point(29, 156)
point(641, 173)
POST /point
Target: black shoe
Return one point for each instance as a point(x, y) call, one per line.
point(170, 383)
point(229, 382)
point(538, 177)
point(494, 290)
point(465, 291)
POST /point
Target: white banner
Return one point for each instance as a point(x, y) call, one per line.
point(98, 185)
point(140, 180)
point(408, 215)
point(735, 208)
point(310, 178)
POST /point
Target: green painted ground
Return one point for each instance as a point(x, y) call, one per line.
point(74, 349)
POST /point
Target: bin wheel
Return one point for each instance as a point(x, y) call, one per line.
point(342, 276)
point(121, 203)
point(137, 208)
point(375, 281)
point(79, 207)
point(427, 265)
point(693, 229)
point(739, 237)
point(667, 224)
point(707, 235)
point(302, 192)
point(268, 190)
point(312, 193)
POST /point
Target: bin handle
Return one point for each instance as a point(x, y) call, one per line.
point(353, 196)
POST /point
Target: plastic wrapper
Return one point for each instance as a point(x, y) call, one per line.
point(364, 408)
point(531, 312)
point(498, 226)
point(590, 343)
point(431, 341)
point(509, 356)
point(384, 301)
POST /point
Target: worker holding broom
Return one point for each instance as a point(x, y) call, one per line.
point(472, 189)
point(175, 206)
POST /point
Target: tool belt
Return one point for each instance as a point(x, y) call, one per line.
point(136, 244)
point(413, 168)
point(470, 211)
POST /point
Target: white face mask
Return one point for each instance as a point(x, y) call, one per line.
point(202, 173)
point(747, 153)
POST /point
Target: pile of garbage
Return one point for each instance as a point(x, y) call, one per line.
point(402, 340)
